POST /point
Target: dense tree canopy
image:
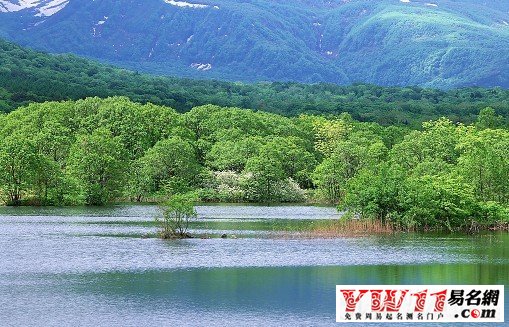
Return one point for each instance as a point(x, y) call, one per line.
point(94, 151)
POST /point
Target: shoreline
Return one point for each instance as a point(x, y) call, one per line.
point(156, 203)
point(288, 228)
point(303, 228)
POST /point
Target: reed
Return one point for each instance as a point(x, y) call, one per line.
point(351, 227)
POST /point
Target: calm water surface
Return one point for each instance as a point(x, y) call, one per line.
point(86, 267)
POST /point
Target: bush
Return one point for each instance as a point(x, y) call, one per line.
point(178, 212)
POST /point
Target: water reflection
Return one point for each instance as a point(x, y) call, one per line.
point(58, 269)
point(227, 296)
point(144, 212)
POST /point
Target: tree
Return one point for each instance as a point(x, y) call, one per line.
point(18, 162)
point(438, 140)
point(488, 119)
point(329, 179)
point(98, 162)
point(374, 193)
point(233, 155)
point(358, 150)
point(53, 139)
point(484, 163)
point(330, 133)
point(266, 173)
point(296, 161)
point(170, 163)
point(438, 202)
point(177, 214)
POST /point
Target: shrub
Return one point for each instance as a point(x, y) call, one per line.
point(177, 213)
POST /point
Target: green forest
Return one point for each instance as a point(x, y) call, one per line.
point(28, 76)
point(444, 175)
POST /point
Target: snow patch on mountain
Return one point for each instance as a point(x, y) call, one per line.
point(201, 67)
point(186, 4)
point(13, 6)
point(102, 21)
point(43, 8)
point(51, 8)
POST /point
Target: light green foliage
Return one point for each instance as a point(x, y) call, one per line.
point(438, 140)
point(345, 155)
point(177, 213)
point(46, 127)
point(169, 166)
point(97, 150)
point(18, 164)
point(444, 176)
point(233, 154)
point(374, 192)
point(442, 202)
point(330, 133)
point(266, 172)
point(98, 162)
point(484, 163)
point(295, 160)
point(138, 127)
point(488, 118)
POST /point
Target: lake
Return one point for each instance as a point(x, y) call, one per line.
point(92, 267)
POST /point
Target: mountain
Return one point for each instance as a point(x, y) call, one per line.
point(433, 43)
point(37, 8)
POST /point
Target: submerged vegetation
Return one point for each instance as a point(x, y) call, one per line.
point(443, 176)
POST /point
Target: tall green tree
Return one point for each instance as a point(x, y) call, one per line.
point(233, 154)
point(98, 162)
point(18, 163)
point(488, 118)
point(296, 161)
point(374, 193)
point(438, 140)
point(171, 163)
point(484, 163)
point(266, 173)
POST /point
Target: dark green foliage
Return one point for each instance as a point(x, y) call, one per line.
point(27, 76)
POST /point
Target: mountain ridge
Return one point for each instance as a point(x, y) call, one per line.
point(444, 44)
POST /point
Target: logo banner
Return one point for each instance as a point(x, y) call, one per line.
point(433, 303)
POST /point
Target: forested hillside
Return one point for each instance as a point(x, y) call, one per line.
point(95, 151)
point(444, 44)
point(28, 76)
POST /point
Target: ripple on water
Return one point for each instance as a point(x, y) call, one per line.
point(71, 262)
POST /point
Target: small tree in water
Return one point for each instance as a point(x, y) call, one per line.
point(178, 212)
